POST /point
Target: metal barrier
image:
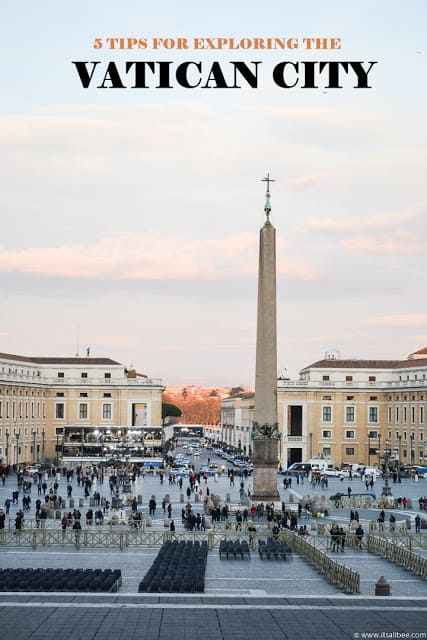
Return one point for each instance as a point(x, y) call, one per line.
point(398, 554)
point(336, 572)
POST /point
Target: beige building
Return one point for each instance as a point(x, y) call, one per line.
point(353, 411)
point(42, 397)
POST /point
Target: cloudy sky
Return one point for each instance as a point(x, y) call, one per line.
point(130, 217)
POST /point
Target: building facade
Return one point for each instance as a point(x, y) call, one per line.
point(43, 399)
point(353, 411)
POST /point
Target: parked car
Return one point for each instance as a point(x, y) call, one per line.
point(30, 471)
point(340, 473)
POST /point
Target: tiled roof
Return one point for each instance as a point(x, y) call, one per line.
point(332, 363)
point(420, 352)
point(58, 361)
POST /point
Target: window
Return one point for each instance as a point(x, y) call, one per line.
point(107, 376)
point(397, 415)
point(59, 411)
point(372, 378)
point(349, 378)
point(421, 415)
point(389, 435)
point(349, 414)
point(373, 398)
point(405, 415)
point(327, 414)
point(349, 451)
point(412, 415)
point(61, 374)
point(106, 411)
point(84, 375)
point(421, 436)
point(373, 414)
point(349, 434)
point(326, 451)
point(107, 395)
point(326, 433)
point(404, 435)
point(59, 394)
point(390, 415)
point(327, 397)
point(1, 415)
point(83, 411)
point(83, 395)
point(350, 397)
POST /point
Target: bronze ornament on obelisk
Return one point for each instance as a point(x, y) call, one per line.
point(265, 433)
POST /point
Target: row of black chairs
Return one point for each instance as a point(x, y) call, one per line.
point(234, 549)
point(50, 580)
point(274, 550)
point(179, 567)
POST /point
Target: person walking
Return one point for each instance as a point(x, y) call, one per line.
point(359, 533)
point(417, 524)
point(172, 528)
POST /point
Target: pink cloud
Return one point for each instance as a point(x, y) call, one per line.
point(378, 220)
point(402, 320)
point(154, 257)
point(399, 243)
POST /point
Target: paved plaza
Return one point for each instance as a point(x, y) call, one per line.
point(242, 599)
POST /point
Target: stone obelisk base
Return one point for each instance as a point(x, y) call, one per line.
point(265, 471)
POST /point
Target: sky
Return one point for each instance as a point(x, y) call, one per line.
point(131, 217)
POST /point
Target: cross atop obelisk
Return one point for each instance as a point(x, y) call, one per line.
point(265, 427)
point(267, 206)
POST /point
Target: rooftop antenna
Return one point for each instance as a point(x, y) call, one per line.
point(87, 352)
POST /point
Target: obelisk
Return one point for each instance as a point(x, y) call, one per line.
point(265, 429)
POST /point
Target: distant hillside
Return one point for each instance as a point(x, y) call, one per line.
point(200, 405)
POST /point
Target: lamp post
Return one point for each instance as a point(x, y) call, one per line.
point(386, 488)
point(17, 433)
point(412, 438)
point(57, 447)
point(34, 445)
point(7, 446)
point(379, 450)
point(399, 439)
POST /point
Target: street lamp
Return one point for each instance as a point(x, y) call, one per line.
point(7, 446)
point(386, 488)
point(57, 445)
point(17, 434)
point(379, 450)
point(399, 438)
point(412, 438)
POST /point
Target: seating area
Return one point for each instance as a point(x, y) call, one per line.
point(87, 580)
point(179, 567)
point(234, 549)
point(274, 550)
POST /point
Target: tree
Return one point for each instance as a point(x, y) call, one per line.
point(170, 411)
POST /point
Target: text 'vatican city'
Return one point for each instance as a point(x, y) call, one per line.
point(145, 74)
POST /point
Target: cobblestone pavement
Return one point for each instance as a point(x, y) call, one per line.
point(90, 617)
point(243, 599)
